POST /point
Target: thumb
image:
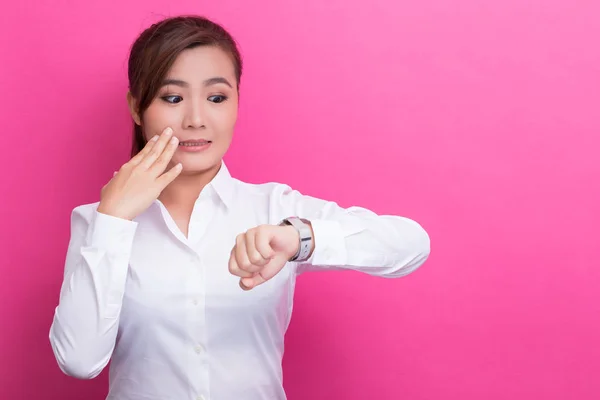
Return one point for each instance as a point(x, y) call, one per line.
point(252, 282)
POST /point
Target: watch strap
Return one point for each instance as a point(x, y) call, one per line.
point(306, 237)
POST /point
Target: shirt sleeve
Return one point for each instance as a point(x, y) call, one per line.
point(85, 324)
point(355, 238)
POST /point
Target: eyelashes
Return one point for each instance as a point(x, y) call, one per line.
point(174, 99)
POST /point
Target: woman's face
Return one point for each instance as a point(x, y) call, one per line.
point(199, 101)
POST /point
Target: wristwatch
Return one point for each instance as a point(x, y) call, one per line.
point(306, 237)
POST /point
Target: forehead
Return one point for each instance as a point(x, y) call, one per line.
point(200, 63)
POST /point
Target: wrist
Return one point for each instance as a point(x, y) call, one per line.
point(302, 237)
point(103, 209)
point(293, 238)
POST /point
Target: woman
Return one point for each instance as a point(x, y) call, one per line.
point(182, 276)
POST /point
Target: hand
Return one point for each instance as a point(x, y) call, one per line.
point(141, 180)
point(260, 253)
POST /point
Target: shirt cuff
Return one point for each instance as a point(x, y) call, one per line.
point(112, 234)
point(330, 244)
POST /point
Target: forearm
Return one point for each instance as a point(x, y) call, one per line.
point(357, 239)
point(86, 319)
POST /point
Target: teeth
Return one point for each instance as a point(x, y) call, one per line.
point(191, 144)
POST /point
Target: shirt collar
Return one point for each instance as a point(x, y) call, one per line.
point(222, 184)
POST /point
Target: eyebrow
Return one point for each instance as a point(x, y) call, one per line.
point(208, 82)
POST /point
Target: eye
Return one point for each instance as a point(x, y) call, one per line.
point(172, 99)
point(217, 98)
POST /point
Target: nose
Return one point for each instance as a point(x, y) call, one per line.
point(194, 115)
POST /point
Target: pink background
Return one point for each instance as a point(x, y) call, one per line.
point(477, 118)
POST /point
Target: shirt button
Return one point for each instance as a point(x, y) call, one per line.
point(195, 302)
point(198, 349)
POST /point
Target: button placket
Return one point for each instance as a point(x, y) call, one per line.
point(197, 293)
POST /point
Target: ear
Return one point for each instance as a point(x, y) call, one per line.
point(132, 102)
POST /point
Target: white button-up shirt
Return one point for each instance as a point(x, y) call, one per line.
point(172, 320)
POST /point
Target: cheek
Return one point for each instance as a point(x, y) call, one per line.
point(157, 118)
point(226, 120)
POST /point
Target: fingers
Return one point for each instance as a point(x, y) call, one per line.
point(245, 260)
point(266, 273)
point(263, 242)
point(157, 149)
point(169, 176)
point(163, 160)
point(242, 258)
point(140, 156)
point(251, 282)
point(252, 258)
point(234, 267)
point(257, 247)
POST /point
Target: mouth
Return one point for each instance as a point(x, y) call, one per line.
point(194, 143)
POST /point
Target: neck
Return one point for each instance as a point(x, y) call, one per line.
point(186, 188)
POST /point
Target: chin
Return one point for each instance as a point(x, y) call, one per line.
point(198, 166)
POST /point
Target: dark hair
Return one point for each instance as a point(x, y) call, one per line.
point(155, 50)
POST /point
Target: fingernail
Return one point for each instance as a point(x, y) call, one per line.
point(154, 138)
point(173, 140)
point(168, 131)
